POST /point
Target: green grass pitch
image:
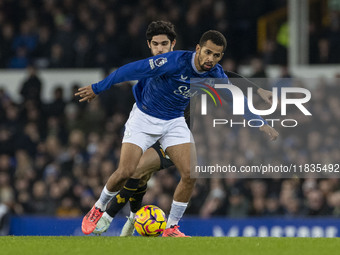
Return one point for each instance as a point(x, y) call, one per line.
point(37, 245)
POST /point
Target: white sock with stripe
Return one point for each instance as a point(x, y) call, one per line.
point(176, 213)
point(105, 198)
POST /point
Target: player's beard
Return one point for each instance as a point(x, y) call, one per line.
point(204, 65)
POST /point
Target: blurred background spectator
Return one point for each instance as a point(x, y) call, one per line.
point(63, 34)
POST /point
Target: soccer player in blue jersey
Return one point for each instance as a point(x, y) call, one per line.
point(158, 115)
point(161, 38)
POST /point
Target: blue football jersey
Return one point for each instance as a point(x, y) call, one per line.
point(163, 87)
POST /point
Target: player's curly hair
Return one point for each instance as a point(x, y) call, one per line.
point(214, 36)
point(161, 27)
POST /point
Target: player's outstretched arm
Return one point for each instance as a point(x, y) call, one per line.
point(86, 94)
point(270, 131)
point(266, 95)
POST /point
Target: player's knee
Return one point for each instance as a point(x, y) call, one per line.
point(142, 168)
point(187, 179)
point(143, 182)
point(144, 179)
point(185, 173)
point(139, 174)
point(143, 171)
point(125, 173)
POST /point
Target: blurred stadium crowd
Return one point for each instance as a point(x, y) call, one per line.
point(97, 33)
point(56, 157)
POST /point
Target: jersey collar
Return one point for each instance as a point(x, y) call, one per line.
point(193, 64)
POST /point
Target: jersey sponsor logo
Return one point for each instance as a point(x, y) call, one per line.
point(160, 61)
point(151, 64)
point(184, 91)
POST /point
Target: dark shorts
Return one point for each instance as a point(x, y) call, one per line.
point(165, 160)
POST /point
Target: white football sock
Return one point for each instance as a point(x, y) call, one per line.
point(105, 198)
point(176, 213)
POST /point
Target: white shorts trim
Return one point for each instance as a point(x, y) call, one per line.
point(144, 130)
